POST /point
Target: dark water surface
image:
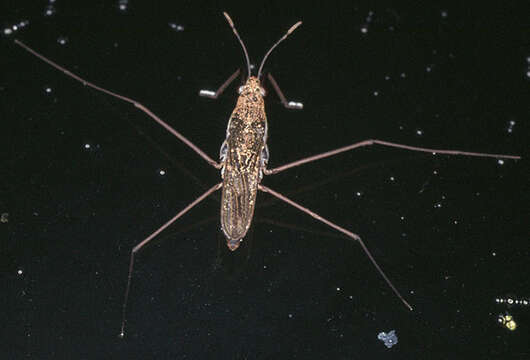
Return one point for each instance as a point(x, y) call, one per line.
point(85, 177)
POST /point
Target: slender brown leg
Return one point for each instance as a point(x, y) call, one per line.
point(342, 230)
point(149, 238)
point(287, 104)
point(214, 95)
point(126, 99)
point(384, 143)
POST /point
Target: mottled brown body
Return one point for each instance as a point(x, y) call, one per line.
point(243, 157)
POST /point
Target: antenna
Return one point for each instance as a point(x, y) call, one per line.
point(293, 28)
point(231, 23)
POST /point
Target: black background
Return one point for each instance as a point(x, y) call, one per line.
point(451, 232)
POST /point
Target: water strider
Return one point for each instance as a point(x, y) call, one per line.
point(244, 157)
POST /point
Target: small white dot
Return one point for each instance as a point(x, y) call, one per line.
point(48, 90)
point(500, 162)
point(419, 132)
point(364, 29)
point(20, 272)
point(87, 146)
point(8, 31)
point(358, 193)
point(162, 172)
point(392, 178)
point(402, 218)
point(376, 93)
point(403, 75)
point(387, 77)
point(338, 289)
point(444, 13)
point(510, 301)
point(494, 254)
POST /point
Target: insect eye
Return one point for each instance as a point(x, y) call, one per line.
point(240, 90)
point(262, 91)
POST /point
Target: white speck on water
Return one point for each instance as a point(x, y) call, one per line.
point(494, 254)
point(176, 26)
point(290, 316)
point(438, 205)
point(359, 193)
point(435, 172)
point(428, 68)
point(123, 5)
point(511, 124)
point(338, 288)
point(402, 218)
point(8, 31)
point(403, 75)
point(444, 13)
point(87, 146)
point(49, 10)
point(20, 271)
point(376, 93)
point(364, 29)
point(62, 40)
point(419, 132)
point(387, 77)
point(389, 339)
point(528, 74)
point(455, 222)
point(500, 162)
point(162, 172)
point(392, 178)
point(528, 59)
point(48, 90)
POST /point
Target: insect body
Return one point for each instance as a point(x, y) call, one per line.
point(244, 157)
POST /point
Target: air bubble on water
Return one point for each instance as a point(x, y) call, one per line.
point(392, 178)
point(387, 77)
point(444, 13)
point(419, 132)
point(162, 172)
point(359, 193)
point(8, 31)
point(48, 90)
point(500, 162)
point(20, 271)
point(403, 75)
point(376, 93)
point(528, 74)
point(428, 68)
point(511, 124)
point(438, 205)
point(62, 40)
point(87, 146)
point(364, 29)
